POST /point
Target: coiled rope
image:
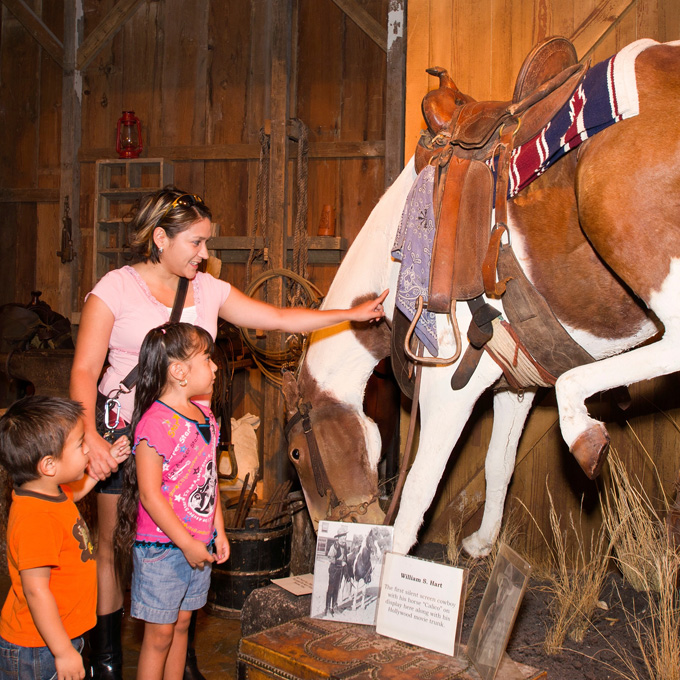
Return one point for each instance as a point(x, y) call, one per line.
point(270, 362)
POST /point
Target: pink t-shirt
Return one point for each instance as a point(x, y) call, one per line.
point(189, 479)
point(136, 311)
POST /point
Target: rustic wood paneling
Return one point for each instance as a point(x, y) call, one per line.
point(19, 84)
point(48, 236)
point(199, 77)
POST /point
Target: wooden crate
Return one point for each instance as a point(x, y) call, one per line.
point(315, 649)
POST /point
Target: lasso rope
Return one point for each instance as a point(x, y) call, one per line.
point(270, 362)
point(299, 291)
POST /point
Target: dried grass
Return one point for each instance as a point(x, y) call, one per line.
point(575, 577)
point(649, 561)
point(634, 527)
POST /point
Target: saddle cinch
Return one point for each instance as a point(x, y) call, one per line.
point(464, 138)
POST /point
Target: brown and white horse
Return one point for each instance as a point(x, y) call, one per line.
point(598, 235)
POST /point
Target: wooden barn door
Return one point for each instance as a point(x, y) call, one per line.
point(483, 44)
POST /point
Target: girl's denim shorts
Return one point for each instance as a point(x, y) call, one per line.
point(37, 663)
point(163, 583)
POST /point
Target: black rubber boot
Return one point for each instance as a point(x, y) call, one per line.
point(191, 671)
point(106, 651)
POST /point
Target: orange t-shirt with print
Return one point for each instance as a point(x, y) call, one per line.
point(48, 531)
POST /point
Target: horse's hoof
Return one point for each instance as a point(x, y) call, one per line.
point(590, 449)
point(475, 547)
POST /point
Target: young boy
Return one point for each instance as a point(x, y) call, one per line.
point(52, 599)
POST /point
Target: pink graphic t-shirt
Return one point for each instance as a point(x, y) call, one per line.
point(189, 479)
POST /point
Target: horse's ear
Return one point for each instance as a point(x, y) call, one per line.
point(291, 394)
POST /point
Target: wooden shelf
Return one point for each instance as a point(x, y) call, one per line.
point(322, 249)
point(120, 182)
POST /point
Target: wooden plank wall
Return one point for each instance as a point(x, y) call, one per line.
point(198, 75)
point(30, 89)
point(483, 44)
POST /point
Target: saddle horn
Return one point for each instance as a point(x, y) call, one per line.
point(441, 106)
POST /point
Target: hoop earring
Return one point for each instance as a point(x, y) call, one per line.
point(183, 382)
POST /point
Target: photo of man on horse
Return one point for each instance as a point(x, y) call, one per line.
point(347, 570)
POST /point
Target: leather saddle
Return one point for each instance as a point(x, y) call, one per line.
point(462, 135)
point(545, 81)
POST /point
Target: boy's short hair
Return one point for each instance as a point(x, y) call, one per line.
point(32, 428)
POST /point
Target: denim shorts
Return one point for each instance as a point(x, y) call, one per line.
point(163, 583)
point(29, 663)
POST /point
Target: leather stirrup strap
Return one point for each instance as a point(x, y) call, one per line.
point(444, 247)
point(408, 448)
point(492, 287)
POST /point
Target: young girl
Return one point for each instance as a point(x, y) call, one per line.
point(170, 516)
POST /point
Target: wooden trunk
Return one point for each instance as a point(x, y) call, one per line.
point(311, 649)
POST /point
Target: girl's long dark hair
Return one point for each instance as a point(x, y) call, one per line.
point(163, 345)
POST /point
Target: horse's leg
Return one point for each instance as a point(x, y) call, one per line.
point(509, 415)
point(443, 414)
point(587, 438)
point(628, 181)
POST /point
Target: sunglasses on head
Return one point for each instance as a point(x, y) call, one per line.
point(185, 200)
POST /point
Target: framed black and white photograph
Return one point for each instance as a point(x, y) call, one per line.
point(347, 570)
point(497, 612)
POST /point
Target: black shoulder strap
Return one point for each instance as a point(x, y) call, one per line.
point(180, 296)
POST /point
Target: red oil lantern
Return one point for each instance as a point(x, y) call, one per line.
point(129, 135)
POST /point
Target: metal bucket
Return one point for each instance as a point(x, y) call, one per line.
point(257, 555)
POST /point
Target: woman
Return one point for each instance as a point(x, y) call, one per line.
point(171, 229)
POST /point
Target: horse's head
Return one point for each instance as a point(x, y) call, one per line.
point(328, 443)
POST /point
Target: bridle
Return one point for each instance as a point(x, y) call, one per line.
point(339, 510)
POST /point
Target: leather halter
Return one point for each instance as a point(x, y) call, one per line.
point(323, 484)
point(339, 510)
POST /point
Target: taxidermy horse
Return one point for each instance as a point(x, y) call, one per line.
point(598, 236)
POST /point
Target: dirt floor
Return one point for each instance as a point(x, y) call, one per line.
point(598, 657)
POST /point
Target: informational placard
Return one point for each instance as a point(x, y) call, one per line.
point(302, 584)
point(421, 602)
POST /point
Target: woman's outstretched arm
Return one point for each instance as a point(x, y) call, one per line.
point(247, 312)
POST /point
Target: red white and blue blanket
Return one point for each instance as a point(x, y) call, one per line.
point(606, 95)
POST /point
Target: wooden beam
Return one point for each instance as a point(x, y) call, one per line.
point(395, 95)
point(108, 27)
point(364, 21)
point(597, 24)
point(34, 25)
point(274, 454)
point(69, 187)
point(247, 152)
point(29, 195)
